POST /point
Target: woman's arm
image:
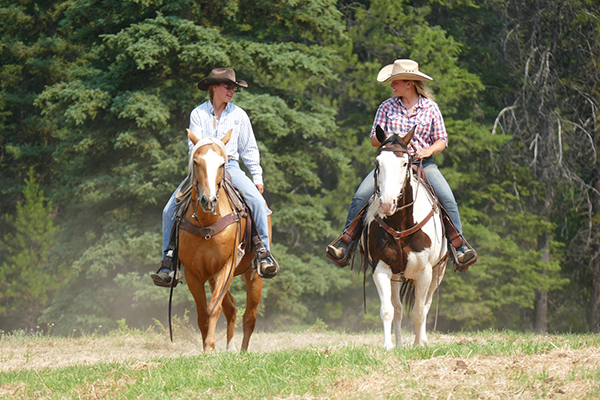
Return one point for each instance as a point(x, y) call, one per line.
point(436, 148)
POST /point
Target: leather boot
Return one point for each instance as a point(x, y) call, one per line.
point(464, 254)
point(338, 252)
point(165, 276)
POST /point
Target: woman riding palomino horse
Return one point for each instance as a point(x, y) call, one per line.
point(214, 118)
point(411, 106)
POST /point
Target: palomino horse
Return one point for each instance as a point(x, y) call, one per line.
point(216, 256)
point(406, 241)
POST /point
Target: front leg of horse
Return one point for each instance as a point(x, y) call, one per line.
point(230, 313)
point(254, 285)
point(382, 278)
point(197, 289)
point(421, 307)
point(222, 280)
point(398, 309)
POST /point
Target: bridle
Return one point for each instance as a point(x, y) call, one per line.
point(192, 163)
point(394, 145)
point(399, 147)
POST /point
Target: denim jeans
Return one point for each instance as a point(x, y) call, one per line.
point(435, 177)
point(249, 192)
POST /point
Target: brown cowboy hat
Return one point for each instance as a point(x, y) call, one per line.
point(220, 75)
point(403, 69)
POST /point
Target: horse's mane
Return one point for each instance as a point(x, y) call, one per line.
point(204, 142)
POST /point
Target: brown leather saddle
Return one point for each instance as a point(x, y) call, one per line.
point(351, 235)
point(240, 210)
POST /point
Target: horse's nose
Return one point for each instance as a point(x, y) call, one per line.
point(205, 203)
point(388, 207)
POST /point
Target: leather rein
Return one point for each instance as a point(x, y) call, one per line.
point(207, 232)
point(398, 235)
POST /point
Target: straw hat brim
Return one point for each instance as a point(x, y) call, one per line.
point(386, 75)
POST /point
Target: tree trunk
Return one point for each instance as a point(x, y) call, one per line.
point(544, 173)
point(595, 300)
point(541, 301)
point(595, 263)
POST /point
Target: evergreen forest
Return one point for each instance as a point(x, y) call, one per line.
point(95, 97)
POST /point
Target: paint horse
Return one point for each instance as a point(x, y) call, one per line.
point(216, 252)
point(406, 244)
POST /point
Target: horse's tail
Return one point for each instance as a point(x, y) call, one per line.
point(407, 295)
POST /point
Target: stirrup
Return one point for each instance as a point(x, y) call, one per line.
point(458, 266)
point(171, 279)
point(349, 252)
point(258, 260)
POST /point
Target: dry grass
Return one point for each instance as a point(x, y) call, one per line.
point(558, 374)
point(563, 373)
point(63, 352)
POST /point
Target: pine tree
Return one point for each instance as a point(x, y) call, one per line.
point(28, 277)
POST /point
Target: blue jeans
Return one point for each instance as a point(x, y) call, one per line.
point(249, 192)
point(435, 177)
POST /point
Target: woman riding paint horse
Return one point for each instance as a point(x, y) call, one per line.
point(214, 118)
point(411, 106)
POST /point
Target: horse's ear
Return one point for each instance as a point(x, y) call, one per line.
point(381, 136)
point(227, 137)
point(193, 138)
point(406, 138)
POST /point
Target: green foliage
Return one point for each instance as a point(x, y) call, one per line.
point(96, 96)
point(29, 277)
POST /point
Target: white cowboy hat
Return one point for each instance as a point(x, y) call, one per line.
point(404, 69)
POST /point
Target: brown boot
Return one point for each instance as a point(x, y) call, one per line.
point(267, 269)
point(338, 252)
point(465, 254)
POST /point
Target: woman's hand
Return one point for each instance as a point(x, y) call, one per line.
point(423, 153)
point(260, 188)
point(432, 150)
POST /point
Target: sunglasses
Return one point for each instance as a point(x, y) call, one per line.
point(229, 87)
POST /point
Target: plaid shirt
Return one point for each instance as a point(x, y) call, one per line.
point(393, 117)
point(204, 123)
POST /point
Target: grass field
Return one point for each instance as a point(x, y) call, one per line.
point(314, 364)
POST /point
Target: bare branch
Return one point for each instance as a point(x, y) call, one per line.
point(500, 115)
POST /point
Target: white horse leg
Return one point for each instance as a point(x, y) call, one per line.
point(436, 278)
point(420, 309)
point(381, 277)
point(398, 309)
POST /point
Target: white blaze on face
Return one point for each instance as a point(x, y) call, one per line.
point(213, 161)
point(390, 179)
